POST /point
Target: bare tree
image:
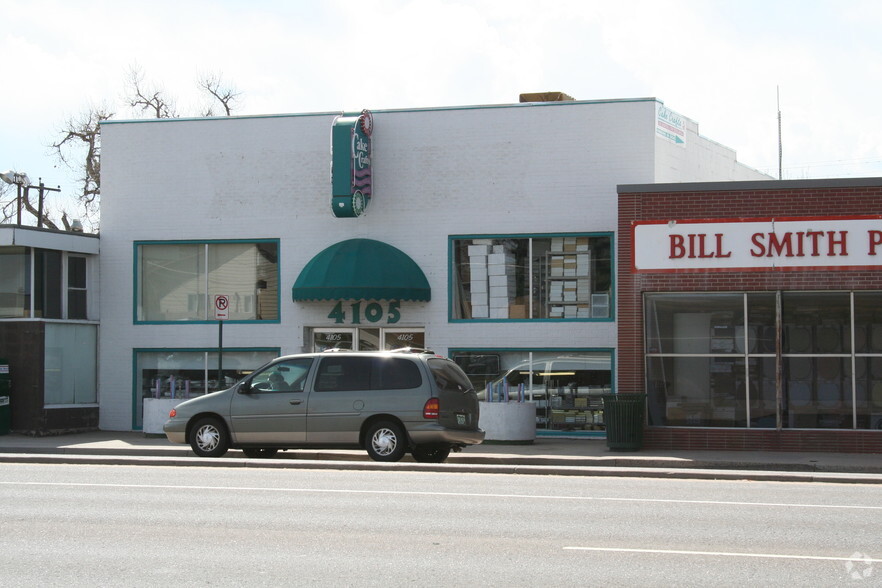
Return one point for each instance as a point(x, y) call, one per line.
point(148, 98)
point(79, 145)
point(226, 94)
point(79, 148)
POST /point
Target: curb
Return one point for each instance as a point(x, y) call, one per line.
point(660, 471)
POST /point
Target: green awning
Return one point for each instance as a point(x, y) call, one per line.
point(361, 269)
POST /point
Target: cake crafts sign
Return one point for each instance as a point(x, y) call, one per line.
point(351, 164)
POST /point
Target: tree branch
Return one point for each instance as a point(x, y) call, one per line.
point(148, 99)
point(227, 95)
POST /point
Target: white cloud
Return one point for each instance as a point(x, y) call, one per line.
point(714, 61)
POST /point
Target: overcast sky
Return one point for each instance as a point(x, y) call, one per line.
point(717, 62)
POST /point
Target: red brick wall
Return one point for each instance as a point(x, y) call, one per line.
point(796, 198)
point(820, 440)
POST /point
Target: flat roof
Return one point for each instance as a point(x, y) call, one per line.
point(43, 238)
point(750, 185)
point(564, 103)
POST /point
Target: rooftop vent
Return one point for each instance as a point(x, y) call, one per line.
point(545, 97)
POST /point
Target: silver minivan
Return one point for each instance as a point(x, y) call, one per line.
point(389, 403)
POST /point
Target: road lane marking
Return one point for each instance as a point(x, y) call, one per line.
point(545, 497)
point(720, 553)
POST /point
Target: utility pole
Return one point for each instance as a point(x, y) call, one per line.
point(42, 188)
point(22, 182)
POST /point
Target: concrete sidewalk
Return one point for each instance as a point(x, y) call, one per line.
point(547, 455)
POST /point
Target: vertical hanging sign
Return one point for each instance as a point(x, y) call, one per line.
point(351, 164)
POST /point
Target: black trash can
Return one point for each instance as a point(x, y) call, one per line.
point(5, 385)
point(623, 415)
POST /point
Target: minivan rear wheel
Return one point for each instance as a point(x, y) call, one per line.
point(431, 453)
point(386, 441)
point(208, 437)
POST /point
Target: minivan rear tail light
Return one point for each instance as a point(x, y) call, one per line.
point(431, 408)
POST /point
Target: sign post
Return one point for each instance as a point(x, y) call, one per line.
point(221, 313)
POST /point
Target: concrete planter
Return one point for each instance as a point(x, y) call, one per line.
point(508, 421)
point(156, 413)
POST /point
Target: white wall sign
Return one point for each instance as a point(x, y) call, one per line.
point(757, 244)
point(670, 125)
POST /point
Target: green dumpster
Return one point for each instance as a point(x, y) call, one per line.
point(5, 385)
point(623, 417)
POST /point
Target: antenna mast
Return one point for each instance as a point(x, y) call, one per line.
point(778, 90)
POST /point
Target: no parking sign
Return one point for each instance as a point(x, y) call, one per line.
point(221, 307)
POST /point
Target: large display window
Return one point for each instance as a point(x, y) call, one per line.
point(179, 281)
point(182, 374)
point(566, 385)
point(559, 277)
point(804, 359)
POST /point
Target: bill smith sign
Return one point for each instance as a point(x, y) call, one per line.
point(757, 244)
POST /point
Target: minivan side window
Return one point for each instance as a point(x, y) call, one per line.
point(285, 376)
point(395, 373)
point(337, 374)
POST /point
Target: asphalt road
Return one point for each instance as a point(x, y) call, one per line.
point(76, 525)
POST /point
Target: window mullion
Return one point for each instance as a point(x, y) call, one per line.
point(854, 406)
point(746, 326)
point(530, 280)
point(207, 302)
point(779, 365)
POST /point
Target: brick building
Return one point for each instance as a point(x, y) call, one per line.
point(751, 313)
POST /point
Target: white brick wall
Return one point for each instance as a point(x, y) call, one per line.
point(437, 172)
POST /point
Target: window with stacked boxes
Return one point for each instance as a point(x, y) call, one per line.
point(558, 277)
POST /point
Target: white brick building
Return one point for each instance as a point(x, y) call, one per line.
point(209, 201)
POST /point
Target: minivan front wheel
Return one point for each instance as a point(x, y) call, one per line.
point(386, 441)
point(431, 453)
point(208, 437)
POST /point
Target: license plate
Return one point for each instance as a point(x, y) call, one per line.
point(460, 419)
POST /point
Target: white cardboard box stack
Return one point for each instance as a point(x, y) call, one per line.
point(570, 258)
point(501, 272)
point(480, 296)
point(491, 279)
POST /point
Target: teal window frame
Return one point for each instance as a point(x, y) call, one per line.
point(136, 245)
point(137, 392)
point(452, 276)
point(544, 432)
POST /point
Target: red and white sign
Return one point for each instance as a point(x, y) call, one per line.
point(759, 244)
point(222, 307)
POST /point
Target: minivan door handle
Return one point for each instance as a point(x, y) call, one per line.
point(295, 401)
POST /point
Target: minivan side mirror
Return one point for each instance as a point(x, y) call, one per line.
point(244, 387)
